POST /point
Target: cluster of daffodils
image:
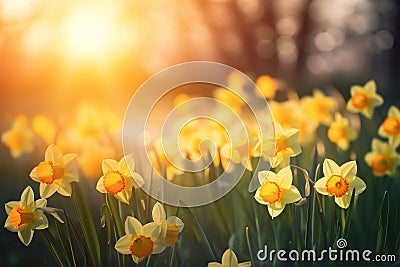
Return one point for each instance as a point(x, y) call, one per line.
point(276, 189)
point(91, 133)
point(140, 241)
point(54, 174)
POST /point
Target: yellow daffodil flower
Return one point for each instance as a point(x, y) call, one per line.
point(364, 99)
point(390, 127)
point(118, 180)
point(319, 108)
point(383, 158)
point(285, 113)
point(291, 114)
point(140, 240)
point(45, 128)
point(276, 190)
point(169, 227)
point(24, 216)
point(230, 98)
point(56, 172)
point(267, 86)
point(286, 146)
point(229, 259)
point(340, 132)
point(19, 139)
point(340, 182)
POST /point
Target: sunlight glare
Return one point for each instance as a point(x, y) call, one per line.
point(89, 32)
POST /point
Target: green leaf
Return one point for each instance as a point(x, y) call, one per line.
point(191, 220)
point(87, 224)
point(383, 224)
point(346, 228)
point(112, 203)
point(54, 249)
point(66, 243)
point(78, 239)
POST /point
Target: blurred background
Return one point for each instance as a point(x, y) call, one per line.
point(77, 59)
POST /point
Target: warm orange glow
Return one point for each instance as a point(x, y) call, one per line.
point(89, 32)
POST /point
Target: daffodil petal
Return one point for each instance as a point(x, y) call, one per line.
point(393, 112)
point(27, 197)
point(291, 195)
point(158, 213)
point(331, 168)
point(320, 185)
point(10, 205)
point(9, 226)
point(54, 154)
point(40, 222)
point(136, 259)
point(40, 203)
point(47, 190)
point(356, 89)
point(245, 264)
point(262, 175)
point(64, 189)
point(123, 244)
point(214, 264)
point(139, 181)
point(152, 229)
point(100, 185)
point(271, 176)
point(133, 226)
point(229, 258)
point(177, 221)
point(349, 169)
point(70, 161)
point(370, 87)
point(124, 195)
point(159, 247)
point(275, 212)
point(358, 184)
point(350, 107)
point(126, 165)
point(33, 175)
point(343, 201)
point(71, 177)
point(109, 165)
point(25, 235)
point(284, 177)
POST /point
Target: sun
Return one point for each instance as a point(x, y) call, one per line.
point(88, 32)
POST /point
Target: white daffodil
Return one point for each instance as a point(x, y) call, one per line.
point(229, 259)
point(119, 178)
point(340, 182)
point(276, 190)
point(24, 216)
point(56, 172)
point(140, 240)
point(169, 227)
